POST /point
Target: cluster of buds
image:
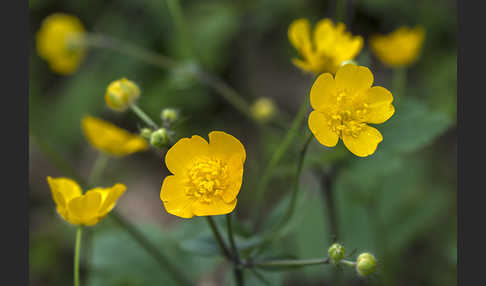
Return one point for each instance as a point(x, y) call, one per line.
point(365, 263)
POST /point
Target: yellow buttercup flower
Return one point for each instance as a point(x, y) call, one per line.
point(399, 48)
point(111, 139)
point(121, 93)
point(206, 176)
point(83, 209)
point(60, 42)
point(326, 48)
point(344, 104)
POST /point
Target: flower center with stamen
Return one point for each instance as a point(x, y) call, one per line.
point(207, 178)
point(348, 119)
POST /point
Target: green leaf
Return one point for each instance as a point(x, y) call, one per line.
point(119, 260)
point(413, 126)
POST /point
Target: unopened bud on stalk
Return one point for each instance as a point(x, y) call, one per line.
point(336, 253)
point(159, 138)
point(146, 133)
point(121, 93)
point(365, 264)
point(263, 109)
point(169, 115)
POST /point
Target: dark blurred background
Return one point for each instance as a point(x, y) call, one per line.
point(399, 204)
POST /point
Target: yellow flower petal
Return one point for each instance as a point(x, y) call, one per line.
point(216, 207)
point(59, 41)
point(235, 180)
point(399, 48)
point(208, 176)
point(299, 36)
point(379, 101)
point(365, 144)
point(183, 153)
point(225, 145)
point(175, 200)
point(354, 78)
point(63, 190)
point(109, 197)
point(319, 126)
point(84, 209)
point(323, 92)
point(111, 139)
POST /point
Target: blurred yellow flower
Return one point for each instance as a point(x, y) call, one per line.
point(206, 177)
point(344, 104)
point(83, 209)
point(121, 93)
point(399, 48)
point(60, 42)
point(263, 109)
point(111, 139)
point(326, 49)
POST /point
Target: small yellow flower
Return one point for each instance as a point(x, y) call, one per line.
point(121, 93)
point(83, 209)
point(344, 104)
point(263, 109)
point(60, 42)
point(399, 48)
point(206, 176)
point(111, 139)
point(326, 49)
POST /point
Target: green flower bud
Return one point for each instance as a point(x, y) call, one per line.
point(169, 115)
point(365, 264)
point(263, 109)
point(159, 138)
point(336, 253)
point(146, 133)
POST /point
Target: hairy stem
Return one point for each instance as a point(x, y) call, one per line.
point(143, 241)
point(219, 238)
point(277, 156)
point(77, 253)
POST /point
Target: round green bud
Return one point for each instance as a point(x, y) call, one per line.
point(146, 133)
point(336, 253)
point(169, 115)
point(159, 138)
point(365, 264)
point(263, 109)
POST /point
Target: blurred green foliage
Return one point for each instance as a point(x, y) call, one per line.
point(399, 203)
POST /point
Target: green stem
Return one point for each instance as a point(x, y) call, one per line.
point(98, 168)
point(161, 259)
point(348, 263)
point(293, 199)
point(399, 83)
point(238, 272)
point(340, 10)
point(277, 155)
point(227, 92)
point(327, 182)
point(175, 11)
point(143, 116)
point(149, 57)
point(289, 262)
point(106, 42)
point(77, 253)
point(219, 238)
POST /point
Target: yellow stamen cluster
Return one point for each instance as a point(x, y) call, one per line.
point(207, 178)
